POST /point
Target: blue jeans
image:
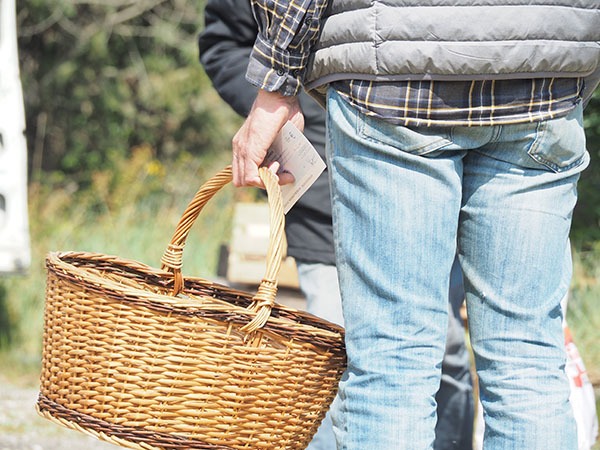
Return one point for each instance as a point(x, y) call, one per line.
point(455, 406)
point(319, 284)
point(404, 201)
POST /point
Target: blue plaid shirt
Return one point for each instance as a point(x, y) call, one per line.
point(288, 29)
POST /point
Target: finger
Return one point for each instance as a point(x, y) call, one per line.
point(297, 118)
point(237, 164)
point(274, 167)
point(249, 175)
point(286, 177)
point(244, 168)
point(283, 176)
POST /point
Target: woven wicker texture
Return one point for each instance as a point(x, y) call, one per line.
point(146, 359)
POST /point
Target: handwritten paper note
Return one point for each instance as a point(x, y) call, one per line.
point(296, 155)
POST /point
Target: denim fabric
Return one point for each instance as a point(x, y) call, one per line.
point(319, 284)
point(582, 393)
point(404, 201)
point(454, 428)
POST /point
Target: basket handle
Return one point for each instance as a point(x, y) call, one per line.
point(172, 259)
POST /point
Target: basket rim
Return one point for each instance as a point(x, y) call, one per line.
point(117, 434)
point(284, 320)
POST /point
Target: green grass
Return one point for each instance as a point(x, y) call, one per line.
point(583, 313)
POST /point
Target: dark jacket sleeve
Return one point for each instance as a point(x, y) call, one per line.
point(225, 46)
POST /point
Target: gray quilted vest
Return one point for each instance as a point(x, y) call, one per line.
point(457, 40)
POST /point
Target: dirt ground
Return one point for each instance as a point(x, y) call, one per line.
point(21, 428)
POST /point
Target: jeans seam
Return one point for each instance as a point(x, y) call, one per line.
point(532, 152)
point(430, 147)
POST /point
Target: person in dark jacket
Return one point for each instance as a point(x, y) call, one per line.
point(225, 46)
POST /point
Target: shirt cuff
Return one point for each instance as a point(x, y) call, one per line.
point(274, 69)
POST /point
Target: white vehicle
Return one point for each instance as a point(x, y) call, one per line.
point(14, 229)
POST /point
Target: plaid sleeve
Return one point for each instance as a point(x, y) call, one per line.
point(286, 31)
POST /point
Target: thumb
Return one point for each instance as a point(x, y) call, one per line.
point(297, 118)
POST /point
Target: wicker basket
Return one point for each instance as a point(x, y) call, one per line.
point(144, 359)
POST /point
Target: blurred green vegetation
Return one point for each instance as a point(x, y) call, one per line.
point(586, 221)
point(130, 211)
point(101, 78)
point(122, 128)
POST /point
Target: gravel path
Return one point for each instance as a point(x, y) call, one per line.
point(21, 428)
